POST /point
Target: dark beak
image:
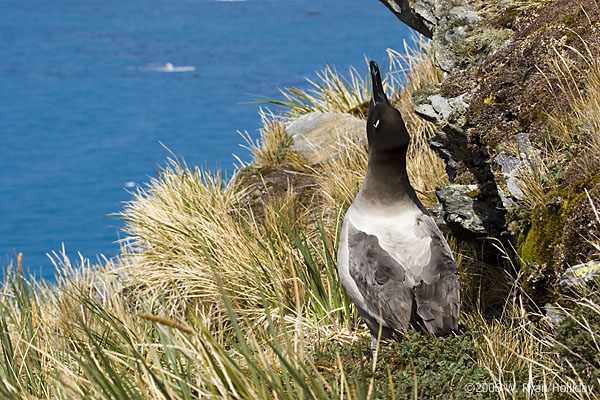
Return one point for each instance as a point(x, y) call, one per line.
point(378, 93)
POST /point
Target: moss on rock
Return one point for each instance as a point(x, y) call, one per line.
point(545, 246)
point(482, 41)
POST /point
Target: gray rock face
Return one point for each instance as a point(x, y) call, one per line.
point(509, 166)
point(447, 114)
point(315, 134)
point(448, 22)
point(465, 216)
point(580, 275)
point(470, 212)
point(440, 109)
point(464, 12)
point(443, 21)
point(553, 314)
point(418, 14)
point(495, 65)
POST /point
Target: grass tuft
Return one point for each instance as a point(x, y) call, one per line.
point(207, 300)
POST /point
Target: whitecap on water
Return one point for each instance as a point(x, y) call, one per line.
point(169, 67)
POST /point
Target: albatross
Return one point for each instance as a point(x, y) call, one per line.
point(392, 258)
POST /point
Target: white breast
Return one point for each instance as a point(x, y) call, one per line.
point(400, 233)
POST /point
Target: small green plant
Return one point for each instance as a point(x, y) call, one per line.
point(418, 364)
point(577, 341)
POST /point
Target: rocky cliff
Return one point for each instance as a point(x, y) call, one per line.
point(522, 158)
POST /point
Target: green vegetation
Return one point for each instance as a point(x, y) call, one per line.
point(576, 341)
point(211, 299)
point(420, 364)
point(561, 177)
point(482, 41)
point(330, 93)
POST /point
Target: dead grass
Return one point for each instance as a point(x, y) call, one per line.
point(579, 127)
point(574, 131)
point(274, 143)
point(208, 301)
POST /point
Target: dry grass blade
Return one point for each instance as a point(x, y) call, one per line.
point(274, 142)
point(330, 92)
point(209, 300)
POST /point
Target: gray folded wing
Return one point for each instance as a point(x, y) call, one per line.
point(380, 280)
point(432, 303)
point(438, 294)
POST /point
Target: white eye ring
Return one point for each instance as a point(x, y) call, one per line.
point(376, 124)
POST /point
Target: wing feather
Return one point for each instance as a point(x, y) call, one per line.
point(380, 281)
point(438, 294)
point(390, 285)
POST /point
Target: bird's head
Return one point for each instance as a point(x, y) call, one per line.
point(385, 127)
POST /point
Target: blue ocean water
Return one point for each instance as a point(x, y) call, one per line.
point(89, 89)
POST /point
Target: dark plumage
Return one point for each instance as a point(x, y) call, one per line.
point(393, 260)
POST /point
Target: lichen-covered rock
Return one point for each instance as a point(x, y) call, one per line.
point(580, 275)
point(448, 115)
point(446, 22)
point(512, 167)
point(440, 108)
point(420, 15)
point(315, 134)
point(553, 314)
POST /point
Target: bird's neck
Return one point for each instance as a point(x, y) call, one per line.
point(387, 179)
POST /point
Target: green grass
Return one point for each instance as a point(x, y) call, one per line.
point(208, 300)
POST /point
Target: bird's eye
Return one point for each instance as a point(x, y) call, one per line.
point(376, 124)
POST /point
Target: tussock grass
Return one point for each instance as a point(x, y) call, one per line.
point(574, 130)
point(106, 350)
point(509, 349)
point(330, 92)
point(579, 126)
point(274, 143)
point(209, 301)
point(186, 218)
point(341, 177)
